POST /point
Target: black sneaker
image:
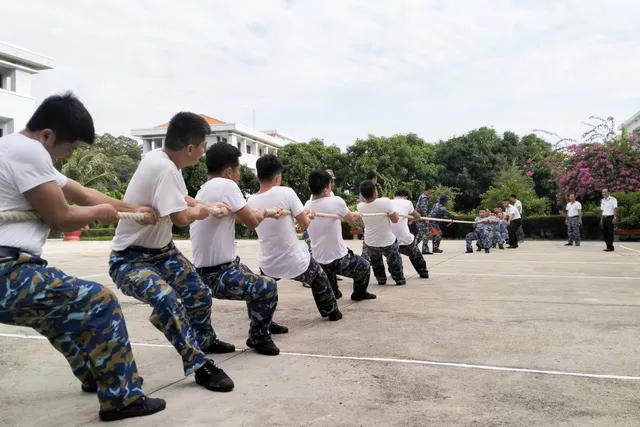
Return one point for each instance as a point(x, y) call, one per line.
point(90, 386)
point(401, 282)
point(568, 244)
point(338, 278)
point(427, 253)
point(266, 347)
point(139, 408)
point(337, 293)
point(424, 275)
point(501, 246)
point(213, 378)
point(359, 296)
point(437, 251)
point(219, 347)
point(487, 250)
point(493, 246)
point(335, 315)
point(469, 251)
point(383, 282)
point(274, 328)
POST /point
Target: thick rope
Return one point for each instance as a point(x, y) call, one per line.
point(34, 216)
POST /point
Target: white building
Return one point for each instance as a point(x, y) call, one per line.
point(633, 124)
point(252, 143)
point(17, 104)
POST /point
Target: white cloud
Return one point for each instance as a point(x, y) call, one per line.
point(339, 69)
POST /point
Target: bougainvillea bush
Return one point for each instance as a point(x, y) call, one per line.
point(604, 159)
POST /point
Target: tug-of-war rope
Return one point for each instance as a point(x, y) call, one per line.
point(10, 216)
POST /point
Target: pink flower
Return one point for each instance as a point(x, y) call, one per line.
point(529, 173)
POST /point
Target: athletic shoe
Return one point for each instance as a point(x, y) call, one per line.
point(266, 347)
point(213, 378)
point(219, 347)
point(274, 328)
point(140, 407)
point(359, 296)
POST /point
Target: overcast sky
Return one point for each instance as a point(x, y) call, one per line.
point(339, 69)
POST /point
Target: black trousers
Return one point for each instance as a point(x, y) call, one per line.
point(607, 229)
point(513, 231)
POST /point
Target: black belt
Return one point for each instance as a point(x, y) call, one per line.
point(575, 216)
point(9, 252)
point(208, 270)
point(608, 216)
point(149, 251)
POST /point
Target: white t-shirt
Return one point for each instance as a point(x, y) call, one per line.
point(311, 198)
point(326, 233)
point(401, 228)
point(608, 205)
point(24, 165)
point(513, 210)
point(518, 204)
point(157, 183)
point(573, 208)
point(213, 239)
point(377, 229)
point(281, 254)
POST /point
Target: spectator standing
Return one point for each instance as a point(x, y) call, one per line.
point(609, 208)
point(574, 220)
point(518, 205)
point(514, 220)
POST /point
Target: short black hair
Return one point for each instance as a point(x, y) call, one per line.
point(513, 195)
point(506, 199)
point(371, 175)
point(402, 193)
point(427, 186)
point(367, 189)
point(221, 156)
point(267, 167)
point(318, 181)
point(66, 116)
point(186, 129)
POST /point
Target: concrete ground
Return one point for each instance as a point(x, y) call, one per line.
point(544, 335)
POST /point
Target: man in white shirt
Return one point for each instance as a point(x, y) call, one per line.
point(326, 237)
point(608, 220)
point(407, 241)
point(305, 233)
point(372, 176)
point(214, 248)
point(573, 220)
point(281, 256)
point(518, 205)
point(379, 240)
point(145, 263)
point(513, 223)
point(81, 319)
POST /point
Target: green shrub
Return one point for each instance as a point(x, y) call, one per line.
point(98, 232)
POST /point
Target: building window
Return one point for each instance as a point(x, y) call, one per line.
point(157, 143)
point(248, 149)
point(260, 152)
point(1, 132)
point(239, 146)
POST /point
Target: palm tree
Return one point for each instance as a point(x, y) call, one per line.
point(89, 168)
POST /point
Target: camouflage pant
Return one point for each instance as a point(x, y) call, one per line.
point(235, 281)
point(483, 237)
point(392, 253)
point(352, 266)
point(437, 235)
point(83, 320)
point(423, 235)
point(415, 256)
point(320, 288)
point(181, 302)
point(307, 240)
point(573, 227)
point(499, 237)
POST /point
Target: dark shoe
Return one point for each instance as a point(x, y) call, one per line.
point(266, 347)
point(568, 244)
point(335, 315)
point(92, 387)
point(437, 251)
point(512, 247)
point(493, 246)
point(501, 246)
point(577, 244)
point(213, 378)
point(469, 251)
point(383, 282)
point(608, 250)
point(424, 275)
point(401, 282)
point(139, 408)
point(359, 296)
point(219, 347)
point(427, 253)
point(306, 285)
point(487, 250)
point(275, 329)
point(337, 293)
point(338, 278)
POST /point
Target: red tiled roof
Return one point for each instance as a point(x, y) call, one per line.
point(210, 120)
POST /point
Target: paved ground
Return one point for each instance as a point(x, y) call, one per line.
point(506, 339)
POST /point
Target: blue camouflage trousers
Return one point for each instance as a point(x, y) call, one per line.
point(394, 261)
point(498, 236)
point(483, 237)
point(81, 319)
point(307, 240)
point(181, 303)
point(235, 281)
point(321, 288)
point(412, 250)
point(423, 235)
point(352, 266)
point(437, 234)
point(573, 228)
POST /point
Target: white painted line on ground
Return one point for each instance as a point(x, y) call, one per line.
point(93, 275)
point(516, 261)
point(403, 361)
point(634, 250)
point(540, 276)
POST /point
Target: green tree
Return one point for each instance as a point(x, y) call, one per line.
point(92, 169)
point(248, 181)
point(514, 181)
point(195, 176)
